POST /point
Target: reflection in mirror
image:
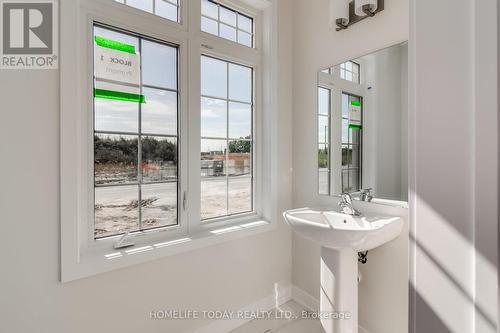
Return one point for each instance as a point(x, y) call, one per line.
point(362, 126)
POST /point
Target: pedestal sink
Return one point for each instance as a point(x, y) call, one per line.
point(341, 238)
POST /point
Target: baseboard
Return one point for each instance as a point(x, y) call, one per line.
point(312, 303)
point(279, 297)
point(361, 329)
point(305, 299)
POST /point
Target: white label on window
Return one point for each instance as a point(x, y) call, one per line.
point(355, 114)
point(117, 66)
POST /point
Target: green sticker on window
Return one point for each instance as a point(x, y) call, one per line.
point(112, 44)
point(119, 96)
point(354, 126)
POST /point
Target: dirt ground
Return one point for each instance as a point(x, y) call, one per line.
point(117, 208)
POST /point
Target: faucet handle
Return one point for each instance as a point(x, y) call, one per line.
point(346, 197)
point(366, 194)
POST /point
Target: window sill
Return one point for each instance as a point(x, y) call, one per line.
point(93, 262)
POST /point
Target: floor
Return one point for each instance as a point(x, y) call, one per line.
point(288, 318)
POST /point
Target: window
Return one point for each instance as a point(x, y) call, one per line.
point(351, 147)
point(135, 133)
point(168, 9)
point(324, 107)
point(141, 100)
point(340, 123)
point(349, 71)
point(227, 23)
point(226, 138)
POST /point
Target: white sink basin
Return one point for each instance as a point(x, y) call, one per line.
point(341, 238)
point(339, 231)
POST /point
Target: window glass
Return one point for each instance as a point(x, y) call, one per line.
point(323, 129)
point(213, 117)
point(213, 77)
point(324, 101)
point(159, 205)
point(240, 83)
point(349, 71)
point(159, 159)
point(159, 65)
point(323, 156)
point(210, 9)
point(116, 210)
point(228, 16)
point(227, 23)
point(244, 38)
point(213, 158)
point(115, 159)
point(240, 120)
point(168, 9)
point(227, 32)
point(209, 25)
point(146, 5)
point(351, 146)
point(116, 116)
point(324, 182)
point(213, 198)
point(135, 133)
point(226, 145)
point(245, 23)
point(324, 112)
point(240, 195)
point(159, 113)
point(239, 158)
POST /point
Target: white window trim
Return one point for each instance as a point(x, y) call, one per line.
point(81, 255)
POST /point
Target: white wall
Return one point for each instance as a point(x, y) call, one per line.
point(316, 46)
point(454, 165)
point(32, 299)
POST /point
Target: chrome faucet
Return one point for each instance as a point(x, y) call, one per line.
point(365, 195)
point(345, 205)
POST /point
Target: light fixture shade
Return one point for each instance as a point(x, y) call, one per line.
point(339, 9)
point(358, 6)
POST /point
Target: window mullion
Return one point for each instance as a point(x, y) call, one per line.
point(227, 139)
point(237, 29)
point(139, 143)
point(218, 20)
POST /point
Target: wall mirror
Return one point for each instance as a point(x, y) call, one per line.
point(362, 126)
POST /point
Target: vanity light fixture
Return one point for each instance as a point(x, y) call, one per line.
point(358, 10)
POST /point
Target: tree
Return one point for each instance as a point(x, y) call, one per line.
point(241, 146)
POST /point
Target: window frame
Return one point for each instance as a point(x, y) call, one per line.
point(210, 46)
point(338, 86)
point(328, 143)
point(341, 68)
point(228, 139)
point(359, 169)
point(234, 8)
point(81, 254)
point(89, 243)
point(141, 135)
point(178, 5)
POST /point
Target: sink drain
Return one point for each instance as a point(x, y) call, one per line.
point(363, 257)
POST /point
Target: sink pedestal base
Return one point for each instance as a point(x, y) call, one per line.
point(339, 290)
